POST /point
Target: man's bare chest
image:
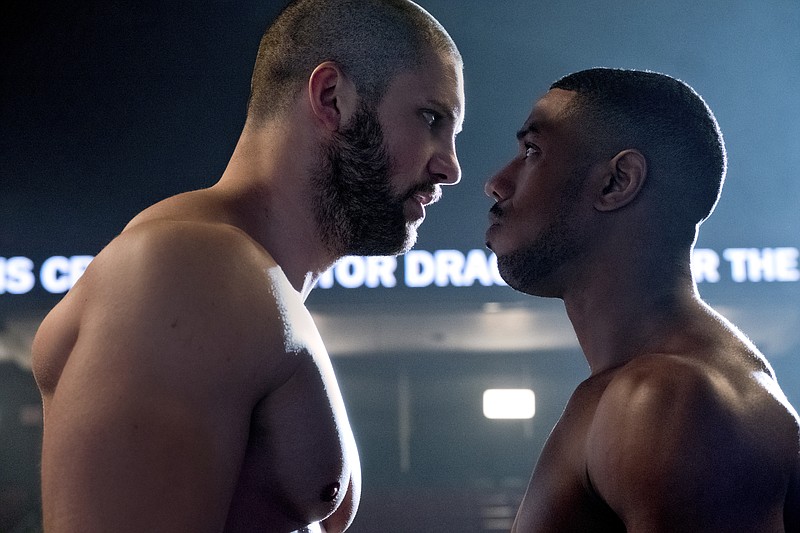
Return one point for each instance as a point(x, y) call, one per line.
point(299, 457)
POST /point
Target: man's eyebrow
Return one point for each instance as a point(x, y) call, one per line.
point(528, 128)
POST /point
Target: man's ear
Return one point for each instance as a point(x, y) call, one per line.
point(622, 180)
point(332, 95)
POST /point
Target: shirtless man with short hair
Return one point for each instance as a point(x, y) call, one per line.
point(681, 425)
point(185, 385)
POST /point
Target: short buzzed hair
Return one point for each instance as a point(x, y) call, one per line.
point(371, 40)
point(666, 120)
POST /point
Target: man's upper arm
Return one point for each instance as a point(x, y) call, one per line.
point(148, 424)
point(667, 452)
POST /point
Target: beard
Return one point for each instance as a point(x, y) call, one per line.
point(356, 210)
point(535, 268)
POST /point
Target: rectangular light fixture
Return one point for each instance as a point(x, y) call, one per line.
point(519, 404)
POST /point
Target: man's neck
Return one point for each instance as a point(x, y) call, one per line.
point(627, 314)
point(267, 184)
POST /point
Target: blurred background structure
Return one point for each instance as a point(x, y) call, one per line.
point(109, 106)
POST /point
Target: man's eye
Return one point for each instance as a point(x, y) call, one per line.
point(530, 150)
point(431, 117)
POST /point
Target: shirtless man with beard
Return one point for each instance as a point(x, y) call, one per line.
point(185, 385)
point(681, 425)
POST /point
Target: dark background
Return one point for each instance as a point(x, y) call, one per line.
point(107, 107)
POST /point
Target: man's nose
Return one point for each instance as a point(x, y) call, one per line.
point(445, 168)
point(499, 186)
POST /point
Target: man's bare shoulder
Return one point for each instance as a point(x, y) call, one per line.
point(162, 283)
point(678, 433)
point(188, 243)
point(684, 384)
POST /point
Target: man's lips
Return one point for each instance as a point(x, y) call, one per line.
point(495, 217)
point(423, 198)
point(426, 195)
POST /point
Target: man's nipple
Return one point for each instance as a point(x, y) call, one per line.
point(330, 492)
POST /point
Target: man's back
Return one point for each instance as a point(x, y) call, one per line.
point(186, 388)
point(699, 440)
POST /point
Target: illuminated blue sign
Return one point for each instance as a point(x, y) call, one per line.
point(421, 268)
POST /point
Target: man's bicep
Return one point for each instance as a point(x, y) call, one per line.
point(132, 443)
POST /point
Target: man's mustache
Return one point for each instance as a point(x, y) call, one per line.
point(433, 190)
